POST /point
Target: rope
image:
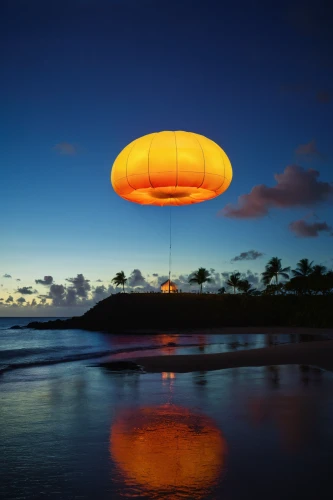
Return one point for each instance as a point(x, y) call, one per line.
point(170, 253)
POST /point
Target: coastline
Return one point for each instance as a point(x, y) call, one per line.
point(317, 353)
point(235, 330)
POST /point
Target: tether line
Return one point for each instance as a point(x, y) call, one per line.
point(170, 253)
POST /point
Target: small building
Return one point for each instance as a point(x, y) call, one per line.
point(165, 287)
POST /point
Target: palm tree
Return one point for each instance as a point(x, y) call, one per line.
point(233, 281)
point(245, 287)
point(200, 276)
point(318, 270)
point(304, 268)
point(274, 269)
point(318, 279)
point(120, 279)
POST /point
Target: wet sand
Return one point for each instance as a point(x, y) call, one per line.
point(237, 330)
point(317, 353)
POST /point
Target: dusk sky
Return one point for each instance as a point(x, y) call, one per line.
point(83, 78)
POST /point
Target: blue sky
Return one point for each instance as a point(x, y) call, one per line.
point(84, 78)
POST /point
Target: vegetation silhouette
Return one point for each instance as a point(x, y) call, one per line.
point(200, 277)
point(304, 268)
point(233, 281)
point(245, 287)
point(305, 300)
point(141, 313)
point(120, 279)
point(274, 269)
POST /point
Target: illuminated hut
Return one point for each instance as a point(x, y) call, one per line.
point(165, 287)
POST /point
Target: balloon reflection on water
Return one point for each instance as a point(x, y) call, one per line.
point(168, 450)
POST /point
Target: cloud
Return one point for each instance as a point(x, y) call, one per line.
point(33, 303)
point(80, 285)
point(99, 290)
point(21, 300)
point(324, 96)
point(100, 293)
point(99, 281)
point(48, 280)
point(76, 294)
point(253, 278)
point(155, 275)
point(304, 229)
point(18, 279)
point(57, 295)
point(296, 187)
point(65, 148)
point(9, 299)
point(308, 151)
point(6, 276)
point(250, 255)
point(136, 279)
point(26, 290)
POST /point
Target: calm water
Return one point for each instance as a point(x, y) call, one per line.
point(70, 430)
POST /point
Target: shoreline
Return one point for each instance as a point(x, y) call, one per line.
point(317, 353)
point(236, 330)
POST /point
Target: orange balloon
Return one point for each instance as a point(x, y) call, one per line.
point(168, 448)
point(171, 168)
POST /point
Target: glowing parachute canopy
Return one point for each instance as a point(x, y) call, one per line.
point(171, 168)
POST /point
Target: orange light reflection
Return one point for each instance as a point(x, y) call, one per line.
point(168, 449)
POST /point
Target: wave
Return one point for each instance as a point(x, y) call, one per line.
point(23, 352)
point(47, 362)
point(75, 356)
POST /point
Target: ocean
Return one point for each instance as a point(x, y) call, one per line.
point(70, 429)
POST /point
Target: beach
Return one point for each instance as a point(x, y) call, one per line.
point(66, 421)
point(318, 354)
point(236, 330)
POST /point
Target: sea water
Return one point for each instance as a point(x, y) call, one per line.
point(70, 429)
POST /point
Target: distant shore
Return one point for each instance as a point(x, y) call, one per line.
point(317, 353)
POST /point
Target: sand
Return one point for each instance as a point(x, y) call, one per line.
point(317, 353)
point(270, 330)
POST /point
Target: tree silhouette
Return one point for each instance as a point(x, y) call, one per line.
point(245, 287)
point(120, 279)
point(233, 281)
point(319, 280)
point(274, 269)
point(304, 268)
point(201, 276)
point(318, 270)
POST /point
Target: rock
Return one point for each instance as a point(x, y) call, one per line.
point(116, 366)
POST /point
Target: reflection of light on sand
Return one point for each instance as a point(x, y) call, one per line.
point(168, 448)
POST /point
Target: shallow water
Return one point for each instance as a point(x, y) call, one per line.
point(86, 433)
point(21, 350)
point(70, 431)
